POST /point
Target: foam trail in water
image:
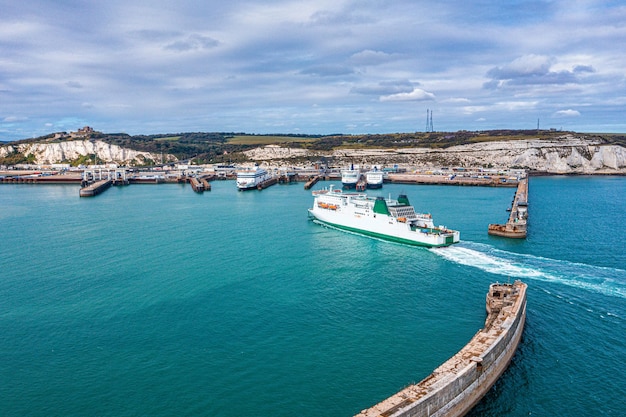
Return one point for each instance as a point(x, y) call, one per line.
point(607, 281)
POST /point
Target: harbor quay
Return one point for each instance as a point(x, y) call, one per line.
point(199, 177)
point(485, 181)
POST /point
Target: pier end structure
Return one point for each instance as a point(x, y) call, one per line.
point(516, 226)
point(95, 188)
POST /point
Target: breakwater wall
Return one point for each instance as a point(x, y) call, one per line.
point(515, 227)
point(459, 383)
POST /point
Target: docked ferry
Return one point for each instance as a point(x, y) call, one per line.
point(374, 178)
point(249, 179)
point(350, 177)
point(394, 220)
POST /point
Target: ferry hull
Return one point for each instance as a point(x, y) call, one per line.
point(350, 178)
point(246, 187)
point(446, 241)
point(374, 179)
point(251, 179)
point(393, 220)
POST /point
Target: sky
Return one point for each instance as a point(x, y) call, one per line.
point(310, 67)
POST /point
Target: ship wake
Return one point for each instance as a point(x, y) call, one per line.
point(602, 280)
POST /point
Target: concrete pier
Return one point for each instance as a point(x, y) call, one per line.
point(310, 183)
point(267, 183)
point(515, 227)
point(454, 179)
point(196, 185)
point(95, 188)
point(455, 387)
point(206, 183)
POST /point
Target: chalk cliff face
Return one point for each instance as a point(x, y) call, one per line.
point(566, 155)
point(49, 153)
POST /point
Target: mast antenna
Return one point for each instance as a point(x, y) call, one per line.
point(429, 121)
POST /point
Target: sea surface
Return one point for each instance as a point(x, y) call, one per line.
point(152, 300)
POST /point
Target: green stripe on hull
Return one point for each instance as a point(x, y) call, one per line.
point(449, 240)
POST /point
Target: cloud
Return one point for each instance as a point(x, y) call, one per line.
point(74, 84)
point(385, 88)
point(329, 70)
point(584, 68)
point(369, 57)
point(567, 113)
point(531, 70)
point(416, 95)
point(193, 42)
point(149, 67)
point(456, 100)
point(13, 119)
point(525, 66)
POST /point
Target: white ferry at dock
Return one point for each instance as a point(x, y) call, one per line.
point(374, 178)
point(249, 179)
point(350, 177)
point(393, 220)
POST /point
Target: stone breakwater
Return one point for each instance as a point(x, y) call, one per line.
point(459, 383)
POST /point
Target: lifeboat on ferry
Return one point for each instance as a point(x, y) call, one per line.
point(332, 207)
point(323, 205)
point(402, 219)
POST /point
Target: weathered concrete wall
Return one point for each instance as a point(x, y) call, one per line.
point(457, 396)
point(458, 384)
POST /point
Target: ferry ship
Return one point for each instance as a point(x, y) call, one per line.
point(394, 220)
point(374, 178)
point(249, 179)
point(349, 177)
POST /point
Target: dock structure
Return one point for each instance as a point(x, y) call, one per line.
point(515, 227)
point(287, 177)
point(118, 177)
point(196, 185)
point(311, 182)
point(54, 178)
point(95, 188)
point(361, 184)
point(454, 179)
point(205, 182)
point(267, 183)
point(456, 386)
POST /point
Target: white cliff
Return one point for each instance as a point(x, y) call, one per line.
point(50, 153)
point(565, 155)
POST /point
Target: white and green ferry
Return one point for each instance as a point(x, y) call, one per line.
point(394, 220)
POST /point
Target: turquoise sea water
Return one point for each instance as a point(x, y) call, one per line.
point(155, 300)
